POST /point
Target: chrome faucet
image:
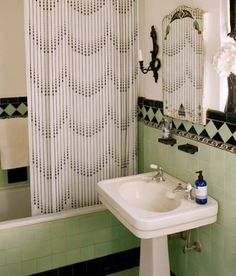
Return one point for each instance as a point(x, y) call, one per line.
point(188, 191)
point(158, 177)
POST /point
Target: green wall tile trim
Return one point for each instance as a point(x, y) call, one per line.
point(219, 132)
point(13, 107)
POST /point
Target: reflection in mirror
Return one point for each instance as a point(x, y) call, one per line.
point(183, 65)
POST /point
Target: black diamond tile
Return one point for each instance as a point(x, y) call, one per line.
point(154, 109)
point(4, 115)
point(16, 113)
point(204, 134)
point(4, 105)
point(15, 104)
point(217, 124)
point(231, 141)
point(231, 118)
point(217, 137)
point(146, 118)
point(174, 125)
point(192, 130)
point(232, 127)
point(140, 115)
point(154, 120)
point(181, 127)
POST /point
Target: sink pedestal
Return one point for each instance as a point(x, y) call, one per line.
point(154, 258)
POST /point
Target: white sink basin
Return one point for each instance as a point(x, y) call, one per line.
point(149, 196)
point(150, 209)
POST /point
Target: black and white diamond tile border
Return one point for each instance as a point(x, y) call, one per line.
point(13, 107)
point(219, 131)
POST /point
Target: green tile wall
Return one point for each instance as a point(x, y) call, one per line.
point(219, 240)
point(45, 246)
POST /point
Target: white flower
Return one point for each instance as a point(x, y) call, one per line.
point(224, 61)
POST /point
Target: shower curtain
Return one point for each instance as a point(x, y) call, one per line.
point(82, 80)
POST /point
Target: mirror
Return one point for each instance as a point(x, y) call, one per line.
point(183, 65)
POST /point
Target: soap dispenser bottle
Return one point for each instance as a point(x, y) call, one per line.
point(201, 189)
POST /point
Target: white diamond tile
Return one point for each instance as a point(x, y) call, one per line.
point(211, 129)
point(225, 132)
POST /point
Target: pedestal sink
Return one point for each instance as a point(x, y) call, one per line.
point(151, 211)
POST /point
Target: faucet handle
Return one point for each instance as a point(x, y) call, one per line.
point(154, 166)
point(188, 190)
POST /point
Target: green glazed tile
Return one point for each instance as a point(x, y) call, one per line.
point(102, 249)
point(43, 248)
point(14, 270)
point(225, 132)
point(211, 129)
point(150, 114)
point(12, 238)
point(13, 255)
point(87, 223)
point(102, 220)
point(10, 109)
point(87, 253)
point(29, 267)
point(58, 228)
point(101, 235)
point(73, 242)
point(86, 239)
point(2, 257)
point(22, 108)
point(29, 251)
point(59, 260)
point(44, 263)
point(58, 245)
point(73, 256)
point(72, 226)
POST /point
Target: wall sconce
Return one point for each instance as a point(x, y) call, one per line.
point(232, 6)
point(155, 63)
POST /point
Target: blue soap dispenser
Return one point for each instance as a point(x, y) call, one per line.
point(201, 189)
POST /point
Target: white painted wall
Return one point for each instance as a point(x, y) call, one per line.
point(152, 12)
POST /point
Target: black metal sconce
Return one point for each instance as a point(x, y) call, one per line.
point(232, 19)
point(231, 101)
point(155, 63)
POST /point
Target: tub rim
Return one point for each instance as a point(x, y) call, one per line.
point(36, 219)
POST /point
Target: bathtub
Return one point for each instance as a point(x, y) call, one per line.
point(15, 209)
point(34, 244)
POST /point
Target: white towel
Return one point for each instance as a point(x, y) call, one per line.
point(14, 143)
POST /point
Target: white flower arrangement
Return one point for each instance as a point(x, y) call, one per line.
point(224, 61)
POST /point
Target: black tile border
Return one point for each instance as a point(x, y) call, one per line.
point(16, 102)
point(218, 119)
point(100, 266)
point(229, 118)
